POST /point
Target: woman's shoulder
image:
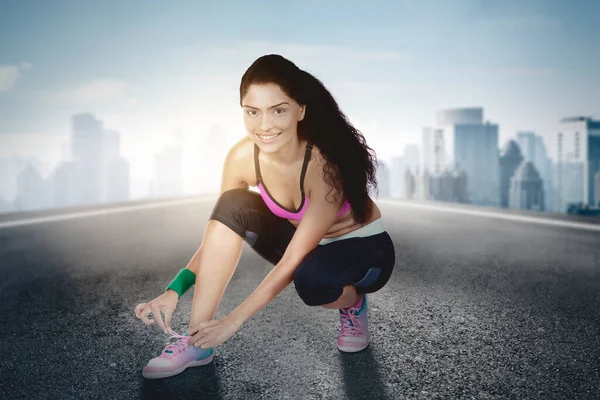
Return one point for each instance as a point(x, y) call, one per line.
point(240, 160)
point(241, 151)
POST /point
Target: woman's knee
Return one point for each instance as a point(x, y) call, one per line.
point(230, 208)
point(233, 200)
point(313, 288)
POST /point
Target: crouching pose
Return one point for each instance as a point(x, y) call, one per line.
point(312, 218)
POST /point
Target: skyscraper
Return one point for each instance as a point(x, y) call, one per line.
point(409, 184)
point(397, 177)
point(579, 142)
point(383, 180)
point(533, 149)
point(510, 159)
point(597, 183)
point(475, 150)
point(526, 189)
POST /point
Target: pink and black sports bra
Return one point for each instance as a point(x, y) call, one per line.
point(277, 208)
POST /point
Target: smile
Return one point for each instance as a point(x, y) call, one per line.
point(268, 137)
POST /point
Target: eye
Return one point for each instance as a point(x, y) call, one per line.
point(250, 112)
point(279, 110)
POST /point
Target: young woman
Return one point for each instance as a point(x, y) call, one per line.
point(312, 219)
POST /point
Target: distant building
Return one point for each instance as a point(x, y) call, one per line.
point(474, 145)
point(526, 188)
point(597, 183)
point(412, 157)
point(450, 186)
point(33, 191)
point(65, 181)
point(460, 186)
point(510, 159)
point(578, 141)
point(533, 149)
point(397, 177)
point(383, 180)
point(102, 174)
point(569, 178)
point(424, 185)
point(433, 150)
point(409, 184)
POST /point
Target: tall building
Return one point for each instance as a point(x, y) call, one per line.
point(33, 191)
point(476, 152)
point(510, 159)
point(10, 167)
point(66, 179)
point(424, 185)
point(102, 174)
point(569, 180)
point(459, 186)
point(383, 180)
point(578, 141)
point(597, 183)
point(533, 149)
point(473, 146)
point(450, 186)
point(433, 150)
point(397, 177)
point(409, 184)
point(460, 116)
point(526, 189)
point(412, 158)
point(87, 145)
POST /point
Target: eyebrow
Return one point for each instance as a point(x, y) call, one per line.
point(276, 105)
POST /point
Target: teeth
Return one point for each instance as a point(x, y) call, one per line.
point(267, 137)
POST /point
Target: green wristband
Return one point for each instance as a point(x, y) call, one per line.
point(184, 280)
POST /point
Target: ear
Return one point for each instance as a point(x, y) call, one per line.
point(302, 113)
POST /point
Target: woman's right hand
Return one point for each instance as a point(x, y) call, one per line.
point(164, 303)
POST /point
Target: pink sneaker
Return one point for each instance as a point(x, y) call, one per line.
point(354, 332)
point(176, 357)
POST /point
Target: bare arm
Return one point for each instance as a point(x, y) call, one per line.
point(234, 175)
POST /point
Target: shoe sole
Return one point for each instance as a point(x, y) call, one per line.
point(167, 374)
point(345, 349)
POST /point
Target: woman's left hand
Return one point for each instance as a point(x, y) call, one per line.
point(212, 333)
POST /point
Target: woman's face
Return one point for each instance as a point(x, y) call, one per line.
point(270, 116)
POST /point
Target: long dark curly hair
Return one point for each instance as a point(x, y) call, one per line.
point(351, 165)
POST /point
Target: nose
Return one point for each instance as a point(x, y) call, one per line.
point(266, 123)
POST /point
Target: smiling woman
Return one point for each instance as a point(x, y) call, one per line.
point(316, 223)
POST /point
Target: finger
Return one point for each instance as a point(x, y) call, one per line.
point(139, 309)
point(195, 329)
point(158, 318)
point(143, 313)
point(204, 343)
point(168, 315)
point(196, 337)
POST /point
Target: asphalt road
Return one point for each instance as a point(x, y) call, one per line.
point(477, 307)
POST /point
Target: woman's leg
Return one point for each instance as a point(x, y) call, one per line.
point(333, 275)
point(348, 298)
point(238, 216)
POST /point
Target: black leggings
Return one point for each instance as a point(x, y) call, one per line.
point(365, 262)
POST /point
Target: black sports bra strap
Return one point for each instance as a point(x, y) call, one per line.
point(305, 165)
point(256, 164)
